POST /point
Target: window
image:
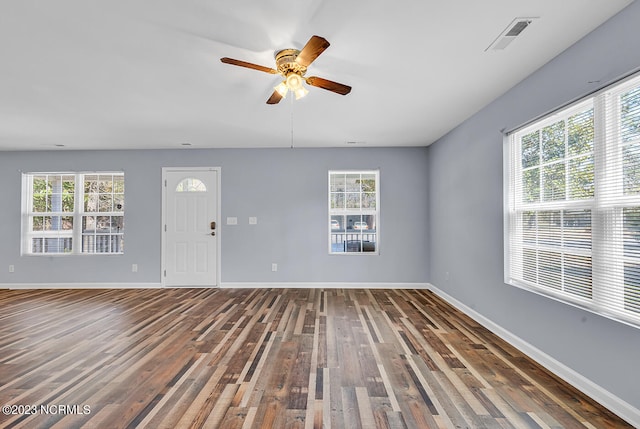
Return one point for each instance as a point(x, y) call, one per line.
point(72, 213)
point(191, 184)
point(354, 212)
point(572, 204)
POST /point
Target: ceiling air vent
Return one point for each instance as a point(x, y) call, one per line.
point(512, 31)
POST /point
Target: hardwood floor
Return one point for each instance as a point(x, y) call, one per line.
point(286, 358)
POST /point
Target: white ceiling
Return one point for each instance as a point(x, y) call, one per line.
point(115, 74)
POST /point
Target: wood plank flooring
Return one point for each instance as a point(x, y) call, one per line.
point(285, 358)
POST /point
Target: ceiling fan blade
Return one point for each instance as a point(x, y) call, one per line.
point(275, 98)
point(336, 87)
point(248, 65)
point(314, 47)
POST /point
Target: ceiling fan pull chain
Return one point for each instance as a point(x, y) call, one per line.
point(291, 122)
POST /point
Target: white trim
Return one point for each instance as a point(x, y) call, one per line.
point(225, 285)
point(322, 285)
point(80, 285)
point(218, 170)
point(617, 405)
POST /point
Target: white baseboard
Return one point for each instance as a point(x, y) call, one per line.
point(224, 285)
point(80, 285)
point(622, 408)
point(322, 285)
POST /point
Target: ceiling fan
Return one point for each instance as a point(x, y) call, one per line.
point(292, 65)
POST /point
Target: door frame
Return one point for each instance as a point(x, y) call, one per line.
point(163, 243)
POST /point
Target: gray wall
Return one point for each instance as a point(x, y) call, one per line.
point(286, 189)
point(466, 214)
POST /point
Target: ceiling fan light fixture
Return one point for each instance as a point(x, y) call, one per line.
point(282, 89)
point(294, 81)
point(301, 92)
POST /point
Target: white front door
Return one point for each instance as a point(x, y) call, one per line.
point(190, 227)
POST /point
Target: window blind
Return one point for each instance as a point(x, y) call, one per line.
point(572, 189)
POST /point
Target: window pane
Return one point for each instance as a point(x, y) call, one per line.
point(554, 182)
point(338, 238)
point(191, 184)
point(580, 130)
point(68, 193)
point(550, 269)
point(529, 227)
point(117, 224)
point(105, 203)
point(337, 223)
point(90, 183)
point(577, 275)
point(337, 182)
point(88, 223)
point(105, 184)
point(631, 231)
point(581, 176)
point(37, 245)
point(531, 149)
point(577, 229)
point(632, 287)
point(553, 142)
point(337, 201)
point(630, 115)
point(103, 223)
point(37, 223)
point(369, 200)
point(353, 183)
point(530, 265)
point(353, 221)
point(549, 233)
point(531, 185)
point(91, 202)
point(48, 222)
point(118, 202)
point(368, 183)
point(353, 200)
point(353, 238)
point(67, 223)
point(631, 168)
point(118, 183)
point(39, 202)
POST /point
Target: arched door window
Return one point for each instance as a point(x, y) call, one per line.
point(191, 184)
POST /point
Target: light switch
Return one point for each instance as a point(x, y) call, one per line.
point(253, 220)
point(232, 220)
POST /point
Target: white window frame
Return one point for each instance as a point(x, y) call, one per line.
point(375, 212)
point(76, 234)
point(607, 245)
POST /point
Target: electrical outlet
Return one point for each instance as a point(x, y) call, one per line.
point(274, 267)
point(253, 220)
point(232, 220)
point(12, 268)
point(134, 268)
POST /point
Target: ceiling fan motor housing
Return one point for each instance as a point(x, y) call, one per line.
point(286, 62)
